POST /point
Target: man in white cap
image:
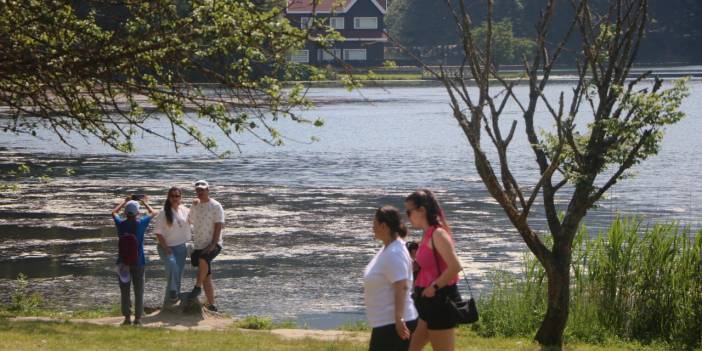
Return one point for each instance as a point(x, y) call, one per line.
point(134, 227)
point(207, 217)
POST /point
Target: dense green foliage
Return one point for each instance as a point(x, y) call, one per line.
point(106, 68)
point(506, 47)
point(629, 282)
point(673, 35)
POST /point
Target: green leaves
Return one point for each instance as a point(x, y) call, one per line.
point(104, 69)
point(505, 47)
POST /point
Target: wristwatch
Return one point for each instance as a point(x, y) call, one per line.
point(435, 286)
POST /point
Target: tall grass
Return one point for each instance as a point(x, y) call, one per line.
point(629, 282)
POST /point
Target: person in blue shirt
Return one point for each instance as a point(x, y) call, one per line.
point(136, 224)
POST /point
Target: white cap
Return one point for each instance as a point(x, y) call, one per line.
point(132, 208)
point(201, 184)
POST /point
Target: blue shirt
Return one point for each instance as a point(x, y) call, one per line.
point(142, 224)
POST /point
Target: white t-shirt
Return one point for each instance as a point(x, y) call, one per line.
point(390, 264)
point(203, 217)
point(178, 232)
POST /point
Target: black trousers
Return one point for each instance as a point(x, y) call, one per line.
point(385, 338)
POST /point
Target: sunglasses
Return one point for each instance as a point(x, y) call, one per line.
point(409, 211)
point(174, 195)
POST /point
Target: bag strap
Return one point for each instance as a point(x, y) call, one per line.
point(438, 268)
point(135, 225)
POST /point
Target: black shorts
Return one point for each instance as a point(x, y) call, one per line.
point(385, 338)
point(208, 257)
point(436, 311)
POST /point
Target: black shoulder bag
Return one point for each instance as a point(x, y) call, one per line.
point(462, 311)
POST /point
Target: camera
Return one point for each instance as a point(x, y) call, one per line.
point(138, 197)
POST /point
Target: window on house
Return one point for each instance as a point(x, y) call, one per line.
point(300, 56)
point(336, 22)
point(365, 22)
point(305, 22)
point(354, 54)
point(329, 54)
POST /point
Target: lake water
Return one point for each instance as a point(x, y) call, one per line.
point(298, 230)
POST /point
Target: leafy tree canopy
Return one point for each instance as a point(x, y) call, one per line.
point(673, 34)
point(105, 68)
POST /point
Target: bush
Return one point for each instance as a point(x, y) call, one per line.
point(256, 323)
point(630, 283)
point(22, 301)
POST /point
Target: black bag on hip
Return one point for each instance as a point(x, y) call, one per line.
point(462, 311)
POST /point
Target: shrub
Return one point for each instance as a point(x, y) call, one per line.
point(22, 301)
point(256, 323)
point(631, 283)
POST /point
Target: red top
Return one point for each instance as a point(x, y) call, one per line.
point(428, 271)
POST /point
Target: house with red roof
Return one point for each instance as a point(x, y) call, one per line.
point(361, 22)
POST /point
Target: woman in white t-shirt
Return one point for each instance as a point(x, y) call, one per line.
point(387, 282)
point(173, 232)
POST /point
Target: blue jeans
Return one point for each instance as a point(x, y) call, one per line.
point(174, 265)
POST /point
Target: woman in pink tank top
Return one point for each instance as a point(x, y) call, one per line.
point(438, 273)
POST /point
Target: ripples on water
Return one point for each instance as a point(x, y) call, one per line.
point(298, 230)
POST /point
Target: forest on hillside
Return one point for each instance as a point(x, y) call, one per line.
point(673, 37)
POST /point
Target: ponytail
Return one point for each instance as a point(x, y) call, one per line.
point(391, 217)
point(435, 214)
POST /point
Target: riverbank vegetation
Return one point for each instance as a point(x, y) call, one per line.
point(610, 122)
point(634, 287)
point(629, 283)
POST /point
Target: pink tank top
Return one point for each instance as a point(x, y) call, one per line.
point(428, 271)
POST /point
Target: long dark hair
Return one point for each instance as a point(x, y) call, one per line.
point(426, 198)
point(167, 209)
point(391, 216)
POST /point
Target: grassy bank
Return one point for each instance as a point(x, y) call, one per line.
point(58, 336)
point(629, 283)
point(633, 288)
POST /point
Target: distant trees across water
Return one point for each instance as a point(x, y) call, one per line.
point(674, 32)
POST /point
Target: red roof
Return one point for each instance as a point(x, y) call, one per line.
point(327, 6)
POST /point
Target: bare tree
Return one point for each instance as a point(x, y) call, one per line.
point(622, 118)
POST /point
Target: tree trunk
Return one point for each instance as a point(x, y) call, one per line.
point(550, 334)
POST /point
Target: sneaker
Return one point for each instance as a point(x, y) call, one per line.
point(212, 308)
point(127, 321)
point(137, 322)
point(195, 293)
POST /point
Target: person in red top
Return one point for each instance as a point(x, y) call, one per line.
point(435, 283)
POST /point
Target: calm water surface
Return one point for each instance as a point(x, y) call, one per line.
point(298, 230)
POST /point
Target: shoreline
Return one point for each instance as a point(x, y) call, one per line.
point(410, 83)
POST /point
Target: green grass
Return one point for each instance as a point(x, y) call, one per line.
point(355, 326)
point(633, 288)
point(388, 76)
point(629, 283)
point(264, 323)
point(70, 337)
point(112, 311)
point(60, 336)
